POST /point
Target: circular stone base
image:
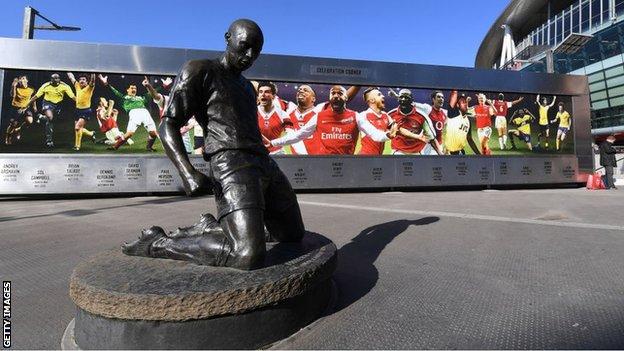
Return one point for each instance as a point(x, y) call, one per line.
point(127, 302)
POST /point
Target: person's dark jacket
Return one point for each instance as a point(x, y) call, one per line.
point(607, 154)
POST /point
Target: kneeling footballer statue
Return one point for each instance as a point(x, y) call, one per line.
point(250, 191)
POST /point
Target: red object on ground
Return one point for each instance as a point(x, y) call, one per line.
point(594, 181)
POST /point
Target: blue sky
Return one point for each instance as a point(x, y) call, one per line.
point(443, 32)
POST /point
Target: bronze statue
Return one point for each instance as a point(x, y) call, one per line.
point(250, 190)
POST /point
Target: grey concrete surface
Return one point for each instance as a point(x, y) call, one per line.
point(514, 269)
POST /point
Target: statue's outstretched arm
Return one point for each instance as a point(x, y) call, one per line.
point(185, 96)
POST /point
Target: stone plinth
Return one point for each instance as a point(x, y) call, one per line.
point(127, 302)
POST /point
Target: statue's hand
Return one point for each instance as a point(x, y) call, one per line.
point(197, 184)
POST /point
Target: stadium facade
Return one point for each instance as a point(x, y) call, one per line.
point(579, 37)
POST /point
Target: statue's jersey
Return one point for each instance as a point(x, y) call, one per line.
point(223, 103)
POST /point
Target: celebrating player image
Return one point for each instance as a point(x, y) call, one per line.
point(415, 129)
point(501, 107)
point(565, 121)
point(20, 98)
point(136, 107)
point(544, 122)
point(483, 113)
point(106, 116)
point(84, 91)
point(53, 93)
point(335, 129)
point(302, 114)
point(377, 117)
point(458, 131)
point(436, 115)
point(521, 121)
point(272, 121)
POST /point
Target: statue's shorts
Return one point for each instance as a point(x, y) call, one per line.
point(244, 180)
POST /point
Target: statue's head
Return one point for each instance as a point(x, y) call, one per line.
point(244, 41)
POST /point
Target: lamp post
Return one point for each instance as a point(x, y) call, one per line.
point(28, 28)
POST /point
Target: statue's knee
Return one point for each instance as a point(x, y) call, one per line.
point(247, 260)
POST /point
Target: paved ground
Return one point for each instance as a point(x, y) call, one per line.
point(517, 269)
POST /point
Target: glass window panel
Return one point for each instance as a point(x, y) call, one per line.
point(619, 7)
point(614, 81)
point(600, 104)
point(597, 86)
point(592, 78)
point(585, 17)
point(592, 51)
point(575, 20)
point(619, 101)
point(616, 71)
point(616, 91)
point(599, 95)
point(577, 60)
point(562, 64)
point(605, 10)
point(610, 42)
point(559, 30)
point(595, 10)
point(551, 33)
point(566, 24)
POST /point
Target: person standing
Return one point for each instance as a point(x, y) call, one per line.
point(607, 160)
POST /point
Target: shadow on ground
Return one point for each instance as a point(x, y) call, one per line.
point(356, 274)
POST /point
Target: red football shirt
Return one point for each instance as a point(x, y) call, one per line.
point(298, 120)
point(438, 118)
point(501, 107)
point(379, 121)
point(482, 113)
point(272, 125)
point(413, 122)
point(105, 124)
point(336, 132)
